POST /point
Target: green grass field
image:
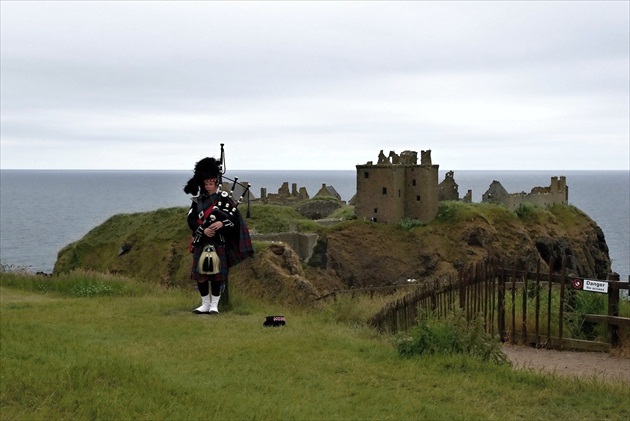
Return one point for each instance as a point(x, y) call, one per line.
point(116, 349)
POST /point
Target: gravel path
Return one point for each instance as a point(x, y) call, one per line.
point(569, 363)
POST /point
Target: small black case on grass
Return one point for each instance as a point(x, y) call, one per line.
point(274, 321)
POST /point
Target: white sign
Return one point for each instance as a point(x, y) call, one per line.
point(595, 286)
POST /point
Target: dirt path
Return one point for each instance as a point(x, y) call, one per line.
point(570, 363)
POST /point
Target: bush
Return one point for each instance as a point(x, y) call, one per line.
point(448, 211)
point(409, 223)
point(526, 211)
point(452, 335)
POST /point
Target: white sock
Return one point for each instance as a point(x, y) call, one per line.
point(214, 304)
point(205, 305)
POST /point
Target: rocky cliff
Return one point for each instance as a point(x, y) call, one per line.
point(353, 254)
point(366, 254)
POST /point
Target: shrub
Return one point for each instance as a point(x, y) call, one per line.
point(409, 223)
point(451, 335)
point(526, 211)
point(448, 211)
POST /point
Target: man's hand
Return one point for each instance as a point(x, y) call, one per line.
point(213, 228)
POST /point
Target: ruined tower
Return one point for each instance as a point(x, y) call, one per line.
point(397, 188)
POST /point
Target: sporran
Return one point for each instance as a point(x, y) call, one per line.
point(209, 263)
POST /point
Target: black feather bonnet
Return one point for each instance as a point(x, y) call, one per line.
point(204, 169)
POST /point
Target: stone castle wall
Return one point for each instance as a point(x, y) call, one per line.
point(557, 193)
point(302, 243)
point(284, 195)
point(397, 188)
point(448, 189)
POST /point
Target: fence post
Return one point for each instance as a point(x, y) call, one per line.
point(513, 318)
point(549, 293)
point(538, 303)
point(563, 303)
point(501, 305)
point(613, 309)
point(524, 302)
point(462, 290)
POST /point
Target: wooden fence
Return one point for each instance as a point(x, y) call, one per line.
point(518, 304)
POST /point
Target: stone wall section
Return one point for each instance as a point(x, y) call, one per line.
point(448, 189)
point(284, 195)
point(496, 193)
point(302, 243)
point(557, 193)
point(328, 191)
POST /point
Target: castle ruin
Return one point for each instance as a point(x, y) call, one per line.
point(397, 188)
point(284, 195)
point(557, 193)
point(328, 191)
point(448, 189)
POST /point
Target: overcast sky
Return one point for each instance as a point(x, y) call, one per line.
point(314, 85)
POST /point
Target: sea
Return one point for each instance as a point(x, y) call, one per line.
point(41, 211)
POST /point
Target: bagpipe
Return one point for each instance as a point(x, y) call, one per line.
point(226, 207)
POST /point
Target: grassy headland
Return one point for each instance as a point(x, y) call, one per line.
point(153, 245)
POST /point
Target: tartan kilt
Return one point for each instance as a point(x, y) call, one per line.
point(223, 265)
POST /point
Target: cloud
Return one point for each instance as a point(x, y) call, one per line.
point(308, 85)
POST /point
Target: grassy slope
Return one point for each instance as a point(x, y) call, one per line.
point(158, 240)
point(145, 356)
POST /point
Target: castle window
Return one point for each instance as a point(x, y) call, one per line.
point(413, 182)
point(375, 210)
point(399, 193)
point(367, 174)
point(418, 198)
point(384, 191)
